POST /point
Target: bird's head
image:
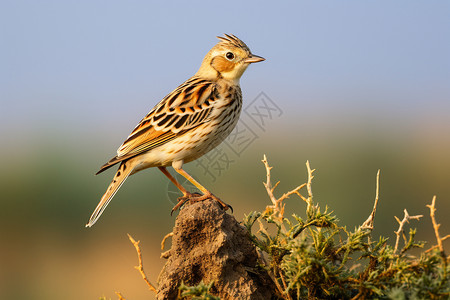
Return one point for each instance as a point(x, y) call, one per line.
point(228, 59)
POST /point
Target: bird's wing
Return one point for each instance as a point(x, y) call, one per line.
point(187, 107)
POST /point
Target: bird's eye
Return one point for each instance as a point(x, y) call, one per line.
point(229, 55)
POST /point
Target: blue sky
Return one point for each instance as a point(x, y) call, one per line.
point(78, 64)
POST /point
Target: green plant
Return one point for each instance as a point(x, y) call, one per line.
point(315, 258)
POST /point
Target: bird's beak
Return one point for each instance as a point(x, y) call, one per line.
point(254, 59)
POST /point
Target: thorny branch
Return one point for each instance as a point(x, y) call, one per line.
point(437, 246)
point(402, 223)
point(435, 224)
point(297, 271)
point(140, 268)
point(277, 204)
point(436, 229)
point(120, 296)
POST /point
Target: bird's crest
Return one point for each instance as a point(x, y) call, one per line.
point(233, 40)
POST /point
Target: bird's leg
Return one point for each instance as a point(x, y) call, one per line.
point(174, 181)
point(186, 195)
point(206, 194)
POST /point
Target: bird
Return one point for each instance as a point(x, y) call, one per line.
point(186, 124)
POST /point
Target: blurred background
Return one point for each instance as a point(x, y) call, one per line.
point(352, 87)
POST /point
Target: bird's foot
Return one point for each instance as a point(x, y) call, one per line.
point(183, 199)
point(222, 204)
point(195, 197)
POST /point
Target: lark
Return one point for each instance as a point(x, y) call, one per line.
point(190, 121)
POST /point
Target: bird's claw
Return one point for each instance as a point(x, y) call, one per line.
point(195, 197)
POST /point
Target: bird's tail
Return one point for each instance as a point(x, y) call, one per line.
point(122, 173)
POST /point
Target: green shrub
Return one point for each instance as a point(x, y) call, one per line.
point(316, 258)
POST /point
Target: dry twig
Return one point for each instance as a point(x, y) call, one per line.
point(402, 223)
point(120, 296)
point(368, 224)
point(436, 229)
point(278, 205)
point(437, 246)
point(279, 290)
point(435, 224)
point(309, 183)
point(167, 253)
point(164, 240)
point(140, 268)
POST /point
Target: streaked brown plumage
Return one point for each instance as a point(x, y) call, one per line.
point(190, 121)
